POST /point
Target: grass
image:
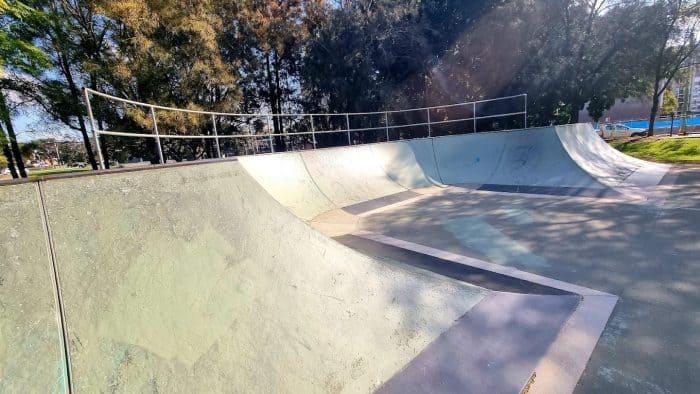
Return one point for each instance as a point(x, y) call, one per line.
point(670, 150)
point(55, 171)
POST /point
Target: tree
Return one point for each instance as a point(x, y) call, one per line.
point(598, 104)
point(17, 53)
point(575, 52)
point(670, 106)
point(76, 39)
point(3, 160)
point(7, 154)
point(267, 41)
point(673, 38)
point(168, 53)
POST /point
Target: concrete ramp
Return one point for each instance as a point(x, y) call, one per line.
point(409, 163)
point(566, 160)
point(350, 175)
point(608, 165)
point(31, 343)
point(472, 158)
point(286, 178)
point(193, 279)
point(532, 157)
point(205, 278)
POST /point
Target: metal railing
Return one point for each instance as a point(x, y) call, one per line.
point(427, 117)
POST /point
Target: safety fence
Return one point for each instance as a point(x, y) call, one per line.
point(220, 134)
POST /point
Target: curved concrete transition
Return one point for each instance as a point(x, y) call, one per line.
point(206, 277)
point(570, 160)
point(192, 279)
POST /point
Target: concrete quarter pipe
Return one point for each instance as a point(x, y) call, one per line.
point(205, 278)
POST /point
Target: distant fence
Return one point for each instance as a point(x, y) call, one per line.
point(225, 134)
point(662, 122)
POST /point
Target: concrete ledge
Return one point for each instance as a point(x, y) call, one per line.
point(560, 368)
point(466, 273)
point(491, 349)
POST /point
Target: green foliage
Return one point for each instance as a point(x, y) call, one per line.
point(598, 105)
point(316, 56)
point(676, 150)
point(670, 103)
point(17, 29)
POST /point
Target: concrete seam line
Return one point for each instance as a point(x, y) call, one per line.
point(383, 167)
point(313, 180)
point(56, 286)
point(379, 165)
point(499, 161)
point(437, 166)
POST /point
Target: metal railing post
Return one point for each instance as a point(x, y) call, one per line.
point(474, 114)
point(269, 125)
point(430, 130)
point(313, 131)
point(155, 131)
point(386, 125)
point(347, 125)
point(525, 111)
point(95, 132)
point(216, 137)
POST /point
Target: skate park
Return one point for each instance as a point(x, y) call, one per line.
point(532, 260)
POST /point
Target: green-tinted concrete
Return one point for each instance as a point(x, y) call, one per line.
point(410, 163)
point(349, 175)
point(286, 178)
point(193, 279)
point(31, 347)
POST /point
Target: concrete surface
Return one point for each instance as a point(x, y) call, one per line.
point(31, 343)
point(193, 279)
point(533, 157)
point(559, 368)
point(349, 175)
point(286, 178)
point(492, 349)
point(410, 163)
point(190, 278)
point(606, 164)
point(565, 160)
point(644, 253)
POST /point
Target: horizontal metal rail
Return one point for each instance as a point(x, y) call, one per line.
point(277, 118)
point(262, 115)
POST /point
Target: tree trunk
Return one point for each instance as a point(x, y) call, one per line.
point(12, 136)
point(278, 95)
point(652, 114)
point(75, 94)
point(10, 160)
point(273, 92)
point(673, 119)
